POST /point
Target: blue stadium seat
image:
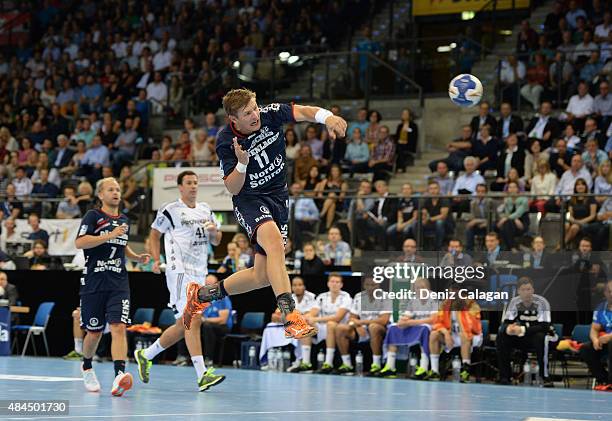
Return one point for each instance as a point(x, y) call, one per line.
point(39, 327)
point(166, 318)
point(143, 315)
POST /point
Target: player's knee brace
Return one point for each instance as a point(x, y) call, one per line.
point(209, 293)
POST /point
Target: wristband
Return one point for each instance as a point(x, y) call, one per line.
point(241, 168)
point(322, 115)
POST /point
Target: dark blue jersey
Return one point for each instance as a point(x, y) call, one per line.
point(105, 264)
point(266, 173)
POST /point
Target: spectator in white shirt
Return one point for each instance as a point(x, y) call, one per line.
point(580, 106)
point(466, 184)
point(23, 185)
point(119, 47)
point(586, 47)
point(602, 30)
point(573, 13)
point(157, 93)
point(336, 252)
point(511, 73)
point(568, 180)
point(163, 59)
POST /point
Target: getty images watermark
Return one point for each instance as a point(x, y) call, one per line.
point(410, 272)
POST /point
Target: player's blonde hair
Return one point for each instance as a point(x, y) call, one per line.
point(103, 181)
point(237, 99)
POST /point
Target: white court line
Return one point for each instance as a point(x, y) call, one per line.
point(39, 378)
point(548, 419)
point(332, 411)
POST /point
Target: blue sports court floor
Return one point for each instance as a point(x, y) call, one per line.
point(253, 395)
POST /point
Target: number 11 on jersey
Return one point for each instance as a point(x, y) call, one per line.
point(265, 161)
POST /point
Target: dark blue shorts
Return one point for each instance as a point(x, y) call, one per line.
point(252, 211)
point(104, 306)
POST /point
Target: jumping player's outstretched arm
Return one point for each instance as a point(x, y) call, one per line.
point(336, 126)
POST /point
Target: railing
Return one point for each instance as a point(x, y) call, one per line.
point(495, 203)
point(346, 75)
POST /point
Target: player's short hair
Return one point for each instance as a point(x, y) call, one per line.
point(237, 99)
point(335, 275)
point(492, 234)
point(524, 281)
point(103, 181)
point(179, 179)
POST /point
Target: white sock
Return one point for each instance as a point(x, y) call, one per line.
point(435, 363)
point(198, 364)
point(306, 354)
point(346, 359)
point(376, 360)
point(153, 350)
point(391, 360)
point(329, 355)
point(424, 361)
point(466, 361)
point(78, 345)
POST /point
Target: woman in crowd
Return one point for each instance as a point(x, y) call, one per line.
point(203, 148)
point(303, 165)
point(514, 219)
point(330, 193)
point(532, 158)
point(407, 136)
point(603, 181)
point(513, 176)
point(543, 185)
point(572, 140)
point(310, 183)
point(357, 153)
point(292, 147)
point(311, 264)
point(372, 134)
point(25, 151)
point(582, 209)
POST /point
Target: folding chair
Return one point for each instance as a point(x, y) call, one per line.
point(41, 320)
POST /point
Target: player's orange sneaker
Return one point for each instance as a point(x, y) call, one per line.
point(296, 326)
point(193, 306)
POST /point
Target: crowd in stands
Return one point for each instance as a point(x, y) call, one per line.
point(574, 45)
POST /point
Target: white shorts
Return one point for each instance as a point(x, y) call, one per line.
point(177, 286)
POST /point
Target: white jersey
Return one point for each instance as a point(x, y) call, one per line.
point(370, 308)
point(186, 240)
point(327, 307)
point(308, 302)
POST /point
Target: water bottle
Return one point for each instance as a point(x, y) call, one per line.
point(277, 360)
point(297, 264)
point(286, 360)
point(359, 364)
point(527, 373)
point(456, 369)
point(272, 359)
point(526, 260)
point(320, 359)
point(252, 354)
point(413, 364)
point(538, 379)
